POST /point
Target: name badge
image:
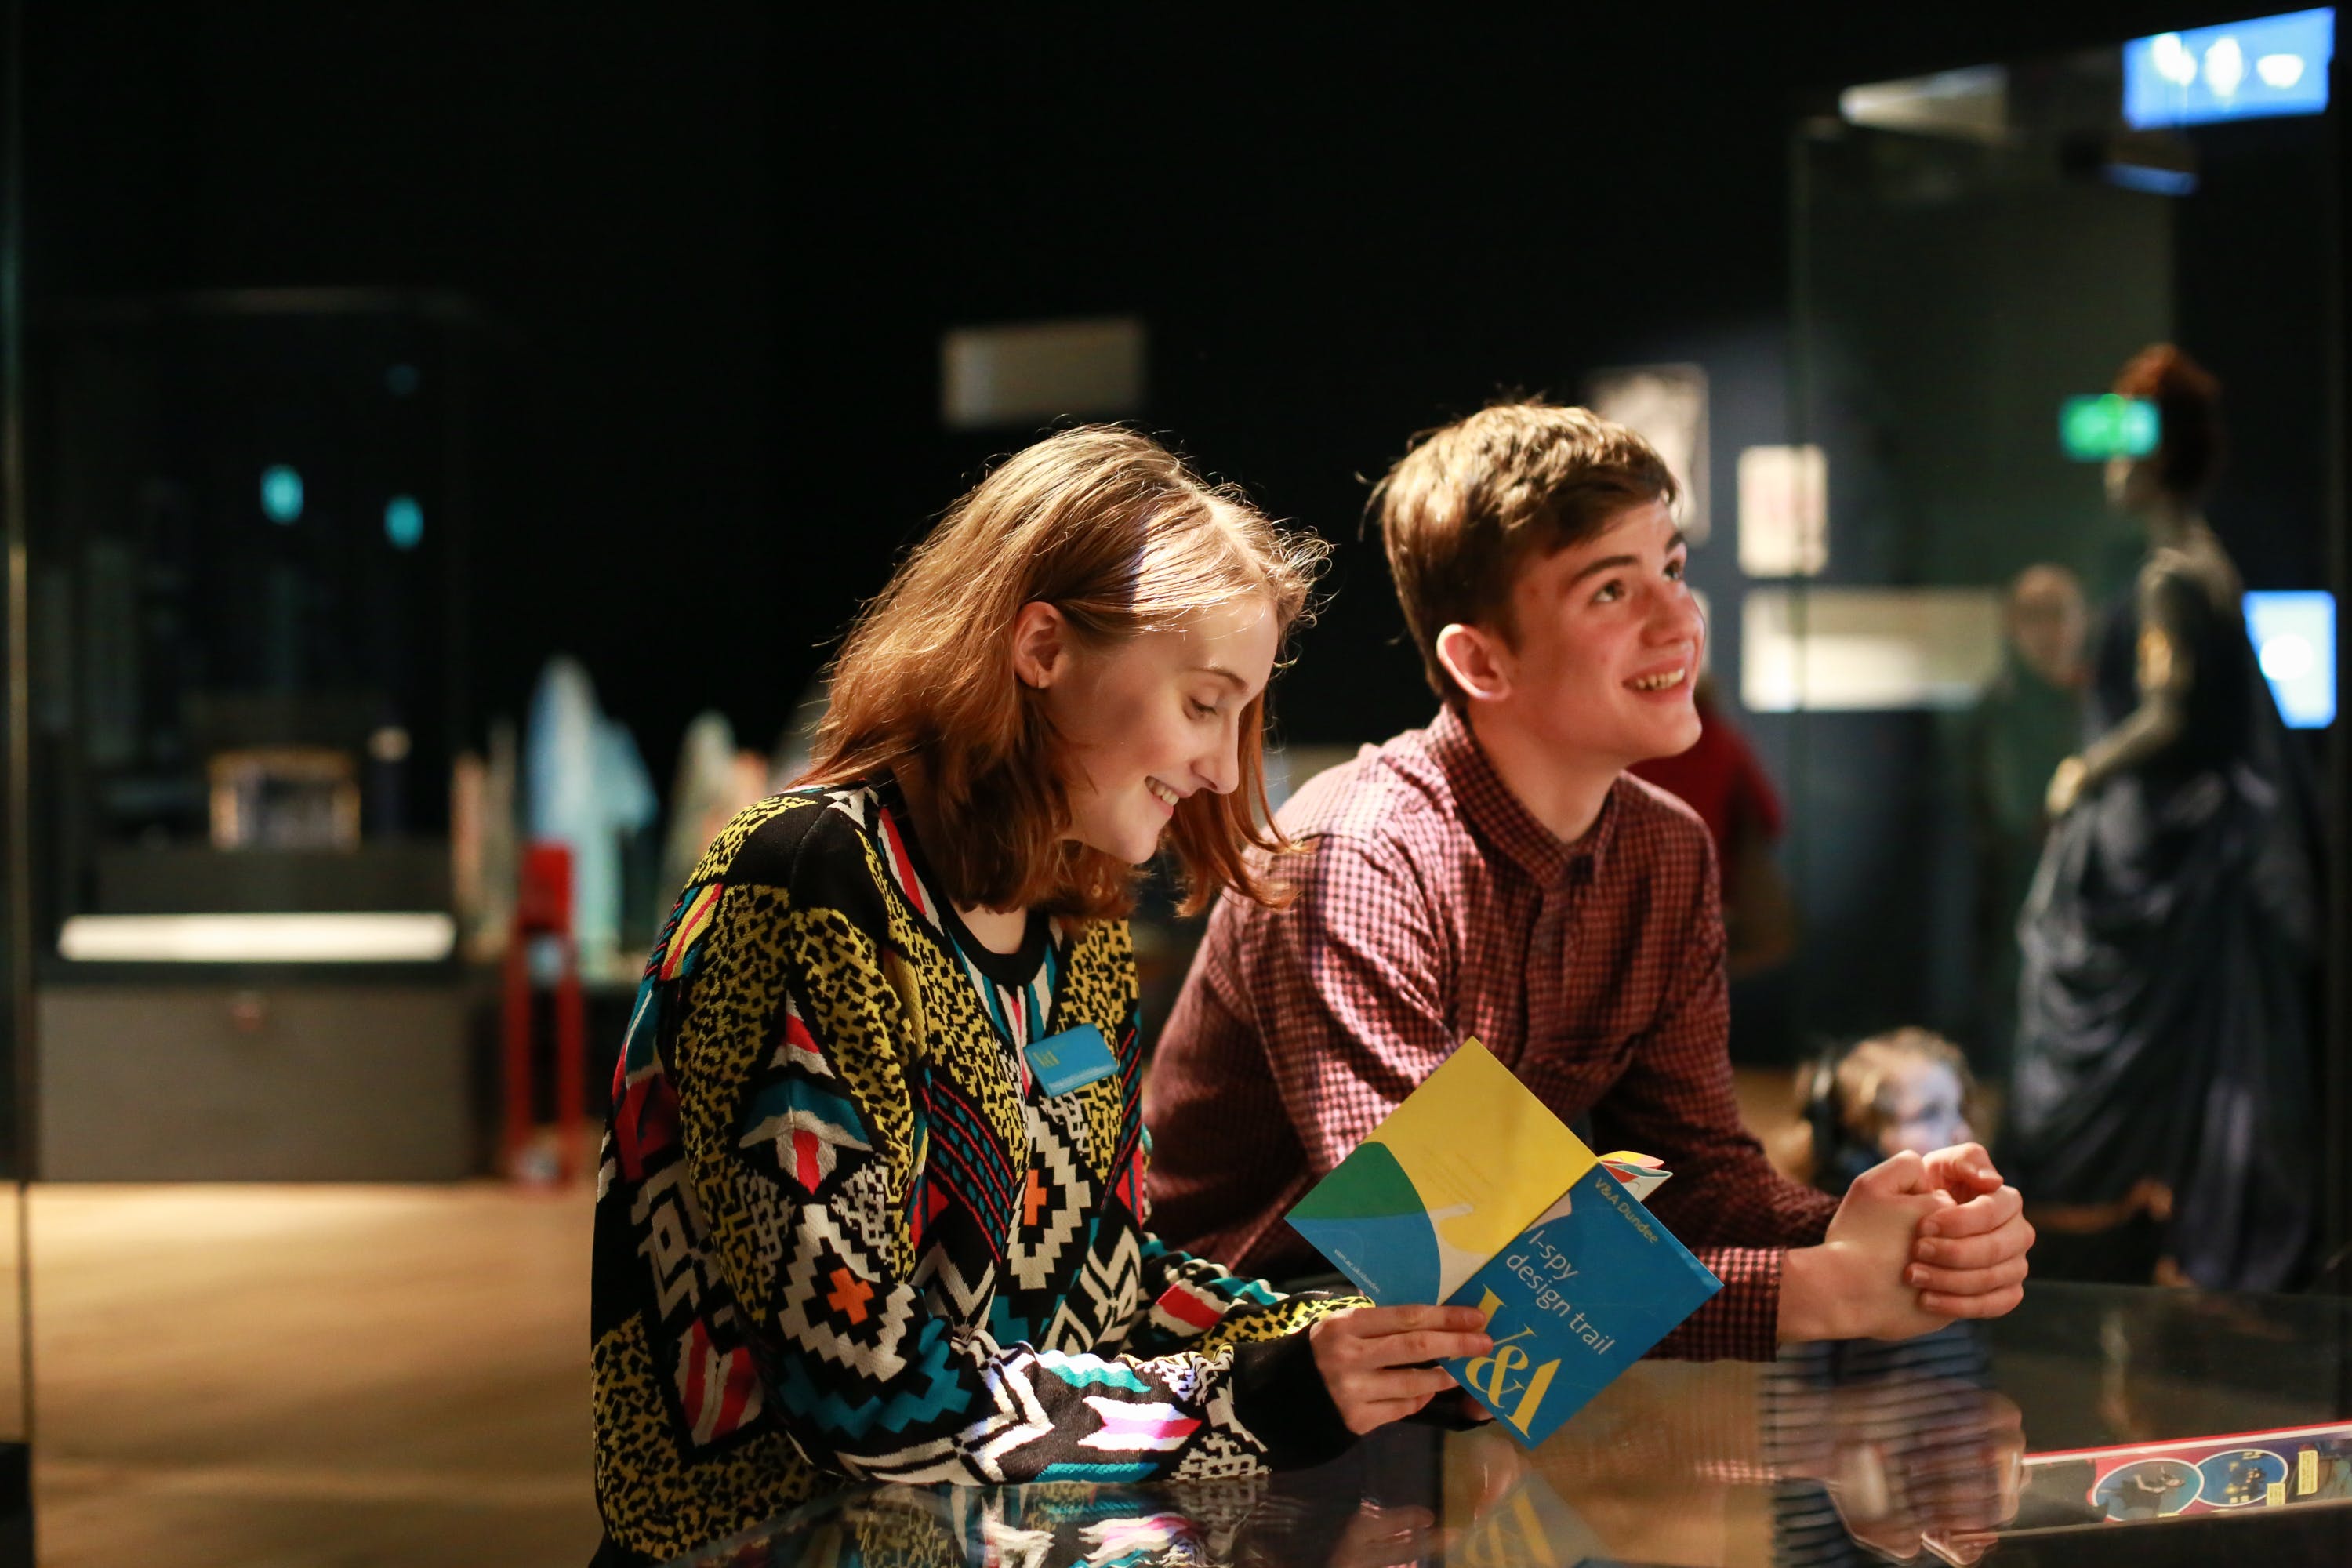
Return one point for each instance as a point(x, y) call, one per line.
point(1071, 1060)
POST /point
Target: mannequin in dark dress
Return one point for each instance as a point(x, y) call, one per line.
point(2161, 1123)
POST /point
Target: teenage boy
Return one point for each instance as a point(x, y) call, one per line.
point(1498, 874)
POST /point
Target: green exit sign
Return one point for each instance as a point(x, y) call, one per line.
point(2094, 429)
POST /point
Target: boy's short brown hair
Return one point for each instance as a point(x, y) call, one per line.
point(1469, 502)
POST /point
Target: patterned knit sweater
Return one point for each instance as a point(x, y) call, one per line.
point(842, 1234)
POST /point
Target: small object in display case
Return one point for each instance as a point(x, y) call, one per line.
point(284, 797)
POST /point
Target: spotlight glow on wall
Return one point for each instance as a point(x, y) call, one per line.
point(282, 493)
point(403, 521)
point(2237, 71)
point(2281, 71)
point(1023, 373)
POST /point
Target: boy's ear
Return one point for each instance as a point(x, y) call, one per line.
point(1039, 643)
point(1478, 660)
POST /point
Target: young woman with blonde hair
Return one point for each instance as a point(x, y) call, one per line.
point(870, 1200)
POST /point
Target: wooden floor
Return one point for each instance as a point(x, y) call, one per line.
point(1768, 1107)
point(300, 1377)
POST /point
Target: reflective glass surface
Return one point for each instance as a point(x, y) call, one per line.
point(1993, 825)
point(2098, 1424)
point(16, 836)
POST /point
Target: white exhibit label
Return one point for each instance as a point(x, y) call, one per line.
point(1784, 512)
point(1026, 373)
point(1814, 648)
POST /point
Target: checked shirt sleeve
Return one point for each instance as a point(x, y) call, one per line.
point(1348, 985)
point(797, 1035)
point(1726, 1203)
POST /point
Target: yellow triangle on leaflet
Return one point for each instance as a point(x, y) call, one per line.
point(1485, 1155)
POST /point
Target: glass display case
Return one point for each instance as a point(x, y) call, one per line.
point(247, 539)
point(1947, 569)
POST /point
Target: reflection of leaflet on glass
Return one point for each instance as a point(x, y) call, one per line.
point(1528, 1524)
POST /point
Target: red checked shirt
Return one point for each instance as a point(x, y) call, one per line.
point(1432, 907)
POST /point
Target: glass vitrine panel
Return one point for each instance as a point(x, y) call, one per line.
point(1943, 579)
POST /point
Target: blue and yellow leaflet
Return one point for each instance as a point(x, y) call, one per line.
point(1474, 1193)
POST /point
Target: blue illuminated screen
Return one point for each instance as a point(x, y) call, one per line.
point(2294, 636)
point(2238, 70)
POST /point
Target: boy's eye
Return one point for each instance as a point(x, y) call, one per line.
point(1674, 570)
point(1608, 592)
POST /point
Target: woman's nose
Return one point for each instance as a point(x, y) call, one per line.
point(1221, 770)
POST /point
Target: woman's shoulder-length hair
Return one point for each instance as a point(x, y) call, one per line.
point(1117, 533)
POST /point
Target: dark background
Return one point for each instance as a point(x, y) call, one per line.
point(723, 242)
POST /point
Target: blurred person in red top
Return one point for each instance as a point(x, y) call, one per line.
point(1721, 779)
point(1497, 874)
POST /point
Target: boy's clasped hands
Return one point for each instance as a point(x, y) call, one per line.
point(1918, 1241)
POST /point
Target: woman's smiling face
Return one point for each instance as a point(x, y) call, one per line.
point(1146, 722)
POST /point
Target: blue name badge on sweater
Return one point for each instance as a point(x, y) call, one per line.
point(1071, 1060)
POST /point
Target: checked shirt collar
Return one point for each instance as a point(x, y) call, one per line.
point(1499, 819)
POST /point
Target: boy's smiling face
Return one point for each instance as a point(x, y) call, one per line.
point(1605, 646)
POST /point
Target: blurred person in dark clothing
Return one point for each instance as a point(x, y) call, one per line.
point(2028, 720)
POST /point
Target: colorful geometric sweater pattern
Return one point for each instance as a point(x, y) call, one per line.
point(843, 1235)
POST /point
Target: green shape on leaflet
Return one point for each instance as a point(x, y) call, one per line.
point(1368, 1183)
point(1369, 1219)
